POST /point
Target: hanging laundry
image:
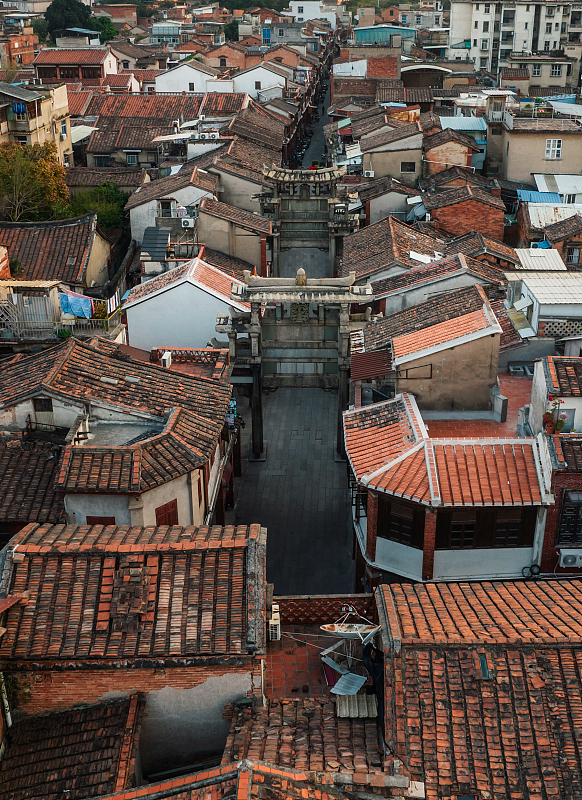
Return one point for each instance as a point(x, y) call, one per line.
point(76, 304)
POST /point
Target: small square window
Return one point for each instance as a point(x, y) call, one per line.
point(42, 404)
point(281, 32)
point(191, 87)
point(553, 149)
point(536, 70)
point(300, 9)
point(556, 71)
point(132, 159)
point(408, 167)
point(257, 85)
point(570, 198)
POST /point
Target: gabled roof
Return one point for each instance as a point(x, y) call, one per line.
point(563, 375)
point(371, 142)
point(386, 243)
point(197, 594)
point(461, 194)
point(408, 94)
point(119, 135)
point(122, 80)
point(95, 176)
point(74, 371)
point(89, 749)
point(196, 272)
point(513, 74)
point(231, 266)
point(381, 186)
point(453, 174)
point(389, 451)
point(438, 270)
point(58, 250)
point(165, 187)
point(28, 471)
point(245, 219)
point(57, 55)
point(475, 243)
point(564, 229)
point(161, 107)
point(446, 136)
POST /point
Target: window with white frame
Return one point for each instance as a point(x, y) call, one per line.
point(553, 148)
point(570, 198)
point(573, 255)
point(536, 70)
point(556, 71)
point(132, 159)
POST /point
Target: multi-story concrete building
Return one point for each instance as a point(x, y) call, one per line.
point(491, 32)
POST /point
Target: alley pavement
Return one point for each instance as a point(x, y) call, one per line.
point(299, 493)
point(317, 144)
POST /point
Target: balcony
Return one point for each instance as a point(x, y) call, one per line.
point(39, 330)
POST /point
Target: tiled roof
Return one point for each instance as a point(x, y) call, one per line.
point(164, 187)
point(449, 135)
point(453, 173)
point(564, 229)
point(56, 55)
point(377, 188)
point(370, 124)
point(558, 125)
point(163, 108)
point(58, 250)
point(116, 135)
point(94, 176)
point(74, 371)
point(89, 749)
point(408, 94)
point(222, 104)
point(509, 336)
point(196, 593)
point(429, 273)
point(389, 451)
point(143, 75)
point(258, 125)
point(569, 452)
point(512, 74)
point(388, 137)
point(78, 102)
point(122, 80)
point(305, 733)
point(446, 307)
point(28, 471)
point(499, 612)
point(230, 265)
point(239, 216)
point(429, 120)
point(196, 271)
point(475, 243)
point(385, 243)
point(461, 194)
point(253, 155)
point(564, 375)
point(354, 87)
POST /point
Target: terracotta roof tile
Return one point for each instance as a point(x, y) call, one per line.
point(387, 243)
point(239, 216)
point(449, 135)
point(57, 250)
point(56, 55)
point(28, 471)
point(564, 229)
point(475, 243)
point(199, 272)
point(438, 269)
point(78, 102)
point(89, 749)
point(191, 593)
point(95, 176)
point(461, 194)
point(163, 108)
point(408, 94)
point(122, 80)
point(231, 266)
point(442, 332)
point(453, 174)
point(564, 376)
point(396, 134)
point(305, 734)
point(513, 74)
point(389, 450)
point(163, 187)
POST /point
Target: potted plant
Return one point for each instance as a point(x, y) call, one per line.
point(554, 421)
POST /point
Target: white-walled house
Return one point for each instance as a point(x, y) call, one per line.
point(254, 80)
point(558, 377)
point(167, 201)
point(551, 302)
point(303, 10)
point(190, 76)
point(179, 307)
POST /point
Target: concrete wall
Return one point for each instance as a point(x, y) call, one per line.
point(527, 154)
point(386, 204)
point(389, 160)
point(226, 237)
point(143, 508)
point(447, 155)
point(399, 558)
point(180, 78)
point(461, 377)
point(402, 300)
point(144, 216)
point(504, 562)
point(237, 191)
point(79, 506)
point(183, 316)
point(538, 403)
point(97, 268)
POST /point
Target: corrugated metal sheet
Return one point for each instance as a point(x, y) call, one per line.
point(538, 197)
point(543, 214)
point(463, 123)
point(563, 184)
point(538, 259)
point(375, 364)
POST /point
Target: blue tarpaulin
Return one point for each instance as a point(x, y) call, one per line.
point(77, 305)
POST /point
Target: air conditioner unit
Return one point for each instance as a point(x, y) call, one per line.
point(214, 135)
point(193, 137)
point(571, 558)
point(167, 359)
point(204, 136)
point(202, 117)
point(369, 173)
point(275, 624)
point(63, 137)
point(188, 222)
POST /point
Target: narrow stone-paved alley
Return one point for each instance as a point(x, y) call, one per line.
point(299, 493)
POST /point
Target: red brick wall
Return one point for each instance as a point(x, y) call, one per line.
point(561, 481)
point(234, 58)
point(317, 610)
point(53, 690)
point(448, 155)
point(20, 49)
point(428, 545)
point(287, 59)
point(469, 216)
point(372, 525)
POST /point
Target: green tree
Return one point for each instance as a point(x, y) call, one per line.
point(63, 14)
point(32, 182)
point(107, 200)
point(40, 28)
point(105, 27)
point(231, 31)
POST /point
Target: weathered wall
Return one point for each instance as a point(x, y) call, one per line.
point(459, 218)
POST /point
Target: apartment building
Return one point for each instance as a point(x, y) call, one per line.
point(488, 33)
